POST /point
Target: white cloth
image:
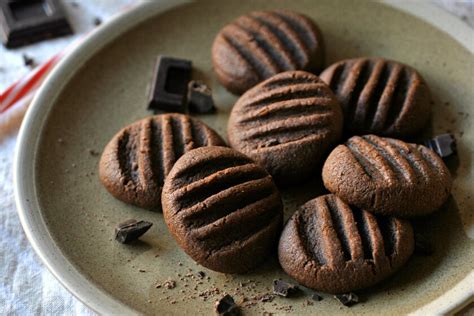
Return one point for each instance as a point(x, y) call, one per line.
point(26, 286)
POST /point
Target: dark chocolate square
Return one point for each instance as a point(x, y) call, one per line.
point(170, 85)
point(23, 22)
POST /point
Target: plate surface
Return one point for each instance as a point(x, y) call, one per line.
point(69, 217)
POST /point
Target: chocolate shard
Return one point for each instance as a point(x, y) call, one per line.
point(316, 297)
point(201, 274)
point(422, 246)
point(347, 299)
point(28, 61)
point(444, 145)
point(267, 298)
point(131, 230)
point(170, 85)
point(283, 288)
point(226, 306)
point(200, 98)
point(25, 22)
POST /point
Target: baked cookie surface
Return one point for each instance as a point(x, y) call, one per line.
point(331, 247)
point(287, 123)
point(223, 209)
point(387, 176)
point(261, 44)
point(136, 161)
point(379, 96)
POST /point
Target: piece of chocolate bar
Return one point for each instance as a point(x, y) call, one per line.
point(200, 98)
point(226, 307)
point(131, 230)
point(25, 22)
point(444, 145)
point(347, 299)
point(170, 85)
point(283, 288)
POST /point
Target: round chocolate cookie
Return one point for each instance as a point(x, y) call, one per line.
point(379, 96)
point(387, 176)
point(328, 246)
point(287, 123)
point(261, 44)
point(136, 161)
point(223, 209)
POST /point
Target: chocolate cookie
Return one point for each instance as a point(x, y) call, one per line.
point(387, 176)
point(223, 209)
point(287, 123)
point(261, 44)
point(136, 161)
point(379, 96)
point(329, 246)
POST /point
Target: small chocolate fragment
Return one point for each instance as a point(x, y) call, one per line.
point(170, 85)
point(347, 299)
point(422, 246)
point(444, 145)
point(316, 297)
point(283, 288)
point(25, 22)
point(201, 274)
point(169, 284)
point(130, 230)
point(226, 306)
point(97, 21)
point(28, 61)
point(267, 298)
point(200, 98)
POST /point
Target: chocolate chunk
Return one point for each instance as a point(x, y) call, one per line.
point(422, 246)
point(316, 297)
point(130, 230)
point(444, 145)
point(25, 22)
point(347, 299)
point(283, 288)
point(226, 306)
point(200, 98)
point(170, 85)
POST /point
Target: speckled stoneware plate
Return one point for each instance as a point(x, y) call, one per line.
point(69, 217)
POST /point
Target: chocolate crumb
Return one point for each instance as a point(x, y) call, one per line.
point(141, 270)
point(170, 284)
point(267, 298)
point(226, 306)
point(93, 153)
point(316, 297)
point(283, 288)
point(348, 299)
point(201, 274)
point(97, 21)
point(131, 230)
point(422, 246)
point(29, 61)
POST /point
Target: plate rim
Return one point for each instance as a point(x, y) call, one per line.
point(28, 140)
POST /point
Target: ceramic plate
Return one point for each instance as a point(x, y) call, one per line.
point(102, 86)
